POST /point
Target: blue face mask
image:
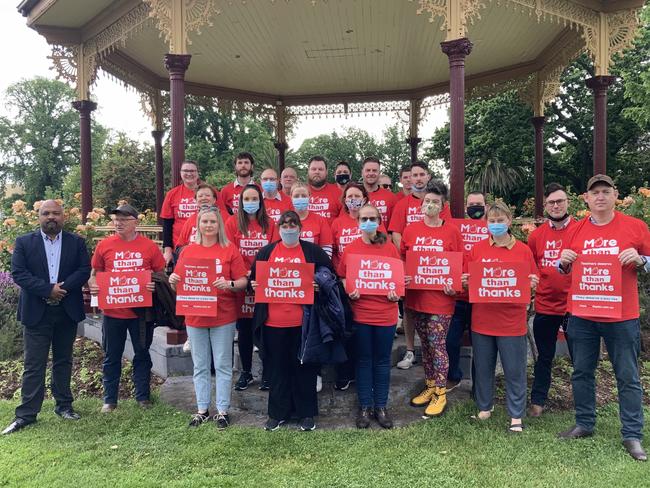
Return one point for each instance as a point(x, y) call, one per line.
point(301, 203)
point(290, 236)
point(269, 186)
point(498, 230)
point(368, 226)
point(251, 207)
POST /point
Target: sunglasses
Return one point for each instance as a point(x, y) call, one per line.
point(368, 219)
point(386, 186)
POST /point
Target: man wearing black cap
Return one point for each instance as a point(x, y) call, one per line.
point(608, 232)
point(125, 251)
point(50, 266)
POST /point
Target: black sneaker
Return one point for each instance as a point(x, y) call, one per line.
point(264, 386)
point(272, 425)
point(307, 424)
point(245, 379)
point(342, 385)
point(222, 420)
point(199, 418)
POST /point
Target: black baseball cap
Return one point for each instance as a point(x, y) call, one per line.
point(125, 209)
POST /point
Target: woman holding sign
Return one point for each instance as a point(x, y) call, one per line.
point(249, 231)
point(500, 293)
point(277, 327)
point(212, 260)
point(374, 291)
point(432, 244)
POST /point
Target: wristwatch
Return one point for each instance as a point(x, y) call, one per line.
point(644, 261)
point(232, 284)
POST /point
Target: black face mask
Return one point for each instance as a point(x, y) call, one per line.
point(475, 211)
point(558, 219)
point(342, 179)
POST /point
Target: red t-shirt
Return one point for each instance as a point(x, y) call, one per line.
point(115, 254)
point(399, 196)
point(371, 309)
point(421, 237)
point(179, 204)
point(623, 232)
point(276, 206)
point(325, 201)
point(232, 268)
point(345, 229)
point(230, 195)
point(500, 319)
point(285, 314)
point(409, 210)
point(547, 244)
point(188, 232)
point(384, 200)
point(316, 230)
point(248, 245)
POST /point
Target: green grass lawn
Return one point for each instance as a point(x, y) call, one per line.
point(155, 448)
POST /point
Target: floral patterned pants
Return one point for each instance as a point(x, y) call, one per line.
point(432, 330)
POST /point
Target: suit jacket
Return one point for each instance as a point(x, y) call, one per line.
point(29, 271)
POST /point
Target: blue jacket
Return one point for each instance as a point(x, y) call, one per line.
point(323, 323)
point(29, 271)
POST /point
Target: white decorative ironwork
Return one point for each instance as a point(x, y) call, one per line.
point(197, 14)
point(470, 11)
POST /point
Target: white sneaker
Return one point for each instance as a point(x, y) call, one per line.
point(187, 347)
point(407, 361)
point(319, 383)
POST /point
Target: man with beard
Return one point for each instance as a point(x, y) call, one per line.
point(178, 206)
point(381, 198)
point(325, 199)
point(50, 266)
point(244, 165)
point(342, 174)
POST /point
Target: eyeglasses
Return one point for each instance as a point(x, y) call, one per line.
point(368, 219)
point(386, 186)
point(189, 171)
point(209, 208)
point(553, 203)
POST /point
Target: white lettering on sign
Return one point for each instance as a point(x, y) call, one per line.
point(601, 246)
point(497, 281)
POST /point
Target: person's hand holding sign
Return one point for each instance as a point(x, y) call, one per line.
point(393, 296)
point(464, 280)
point(354, 295)
point(534, 281)
point(630, 256)
point(174, 279)
point(221, 283)
point(567, 257)
point(449, 291)
point(407, 280)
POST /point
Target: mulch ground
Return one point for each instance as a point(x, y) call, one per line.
point(86, 374)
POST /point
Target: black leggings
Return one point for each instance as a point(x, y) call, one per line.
point(245, 343)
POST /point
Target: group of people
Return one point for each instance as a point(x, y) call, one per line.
point(283, 220)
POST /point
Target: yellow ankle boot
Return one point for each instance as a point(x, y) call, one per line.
point(425, 396)
point(438, 403)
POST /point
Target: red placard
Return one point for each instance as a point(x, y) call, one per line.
point(284, 283)
point(195, 295)
point(434, 270)
point(374, 275)
point(472, 230)
point(494, 282)
point(596, 287)
point(126, 289)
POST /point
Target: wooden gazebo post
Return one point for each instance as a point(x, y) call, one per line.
point(157, 134)
point(457, 47)
point(414, 121)
point(85, 74)
point(280, 134)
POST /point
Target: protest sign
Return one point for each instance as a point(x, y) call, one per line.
point(596, 287)
point(374, 275)
point(195, 295)
point(432, 271)
point(284, 282)
point(494, 282)
point(126, 289)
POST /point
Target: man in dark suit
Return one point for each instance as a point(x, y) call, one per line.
point(50, 266)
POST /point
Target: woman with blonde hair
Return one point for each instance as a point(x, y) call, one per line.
point(212, 337)
point(501, 327)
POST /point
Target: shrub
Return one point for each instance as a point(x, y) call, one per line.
point(10, 328)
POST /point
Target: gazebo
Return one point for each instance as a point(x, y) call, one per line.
point(302, 57)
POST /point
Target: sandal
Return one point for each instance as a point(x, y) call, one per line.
point(517, 428)
point(482, 416)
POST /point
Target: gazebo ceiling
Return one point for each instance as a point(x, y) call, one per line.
point(310, 51)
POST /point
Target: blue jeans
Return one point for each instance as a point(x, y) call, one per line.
point(461, 320)
point(513, 354)
point(212, 343)
point(113, 340)
point(545, 329)
point(374, 346)
point(622, 340)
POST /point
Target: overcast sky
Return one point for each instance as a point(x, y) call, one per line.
point(119, 108)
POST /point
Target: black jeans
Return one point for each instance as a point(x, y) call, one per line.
point(59, 331)
point(545, 329)
point(113, 340)
point(461, 320)
point(293, 385)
